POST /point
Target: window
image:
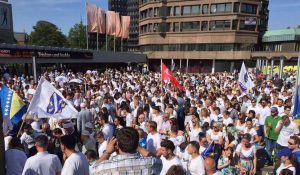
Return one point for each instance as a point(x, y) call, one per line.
point(205, 9)
point(235, 24)
point(155, 11)
point(176, 27)
point(150, 27)
point(190, 26)
point(219, 25)
point(221, 8)
point(186, 10)
point(249, 8)
point(244, 26)
point(236, 7)
point(156, 27)
point(177, 11)
point(195, 10)
point(169, 11)
point(204, 26)
point(213, 8)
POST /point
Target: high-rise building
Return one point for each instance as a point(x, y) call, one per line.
point(133, 12)
point(119, 6)
point(128, 8)
point(201, 35)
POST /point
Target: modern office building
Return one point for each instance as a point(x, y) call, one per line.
point(128, 8)
point(133, 12)
point(119, 6)
point(201, 35)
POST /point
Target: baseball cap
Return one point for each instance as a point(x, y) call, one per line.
point(284, 152)
point(274, 109)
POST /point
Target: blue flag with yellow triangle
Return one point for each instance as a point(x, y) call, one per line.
point(12, 105)
point(296, 112)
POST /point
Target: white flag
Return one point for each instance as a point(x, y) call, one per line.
point(173, 65)
point(246, 84)
point(49, 102)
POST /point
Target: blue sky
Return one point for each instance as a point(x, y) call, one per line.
point(65, 13)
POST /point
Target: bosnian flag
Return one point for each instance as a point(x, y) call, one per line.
point(246, 84)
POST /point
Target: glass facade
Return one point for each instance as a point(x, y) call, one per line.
point(249, 8)
point(190, 26)
point(221, 8)
point(194, 47)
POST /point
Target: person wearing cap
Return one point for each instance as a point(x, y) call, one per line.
point(83, 117)
point(287, 161)
point(88, 143)
point(89, 127)
point(269, 130)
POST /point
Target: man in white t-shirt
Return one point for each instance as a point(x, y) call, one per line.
point(43, 162)
point(196, 163)
point(263, 112)
point(168, 157)
point(286, 128)
point(76, 162)
point(107, 129)
point(153, 138)
point(102, 143)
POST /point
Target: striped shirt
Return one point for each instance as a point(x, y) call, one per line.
point(130, 164)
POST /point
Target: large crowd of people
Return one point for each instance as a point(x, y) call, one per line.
point(133, 123)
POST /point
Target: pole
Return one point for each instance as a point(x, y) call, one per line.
point(87, 32)
point(213, 66)
point(272, 67)
point(187, 65)
point(266, 68)
point(34, 68)
point(106, 42)
point(2, 151)
point(180, 64)
point(97, 32)
point(114, 43)
point(281, 67)
point(121, 44)
point(298, 72)
point(115, 33)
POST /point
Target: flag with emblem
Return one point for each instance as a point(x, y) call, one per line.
point(13, 106)
point(246, 84)
point(49, 102)
point(166, 74)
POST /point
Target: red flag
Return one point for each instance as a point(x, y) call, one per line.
point(166, 74)
point(92, 26)
point(101, 21)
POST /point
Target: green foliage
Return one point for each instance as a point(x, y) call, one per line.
point(47, 34)
point(77, 36)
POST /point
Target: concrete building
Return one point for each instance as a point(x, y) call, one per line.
point(6, 22)
point(201, 35)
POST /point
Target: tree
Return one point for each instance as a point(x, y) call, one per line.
point(47, 34)
point(77, 36)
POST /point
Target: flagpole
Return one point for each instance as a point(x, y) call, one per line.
point(2, 147)
point(298, 72)
point(87, 33)
point(115, 33)
point(97, 32)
